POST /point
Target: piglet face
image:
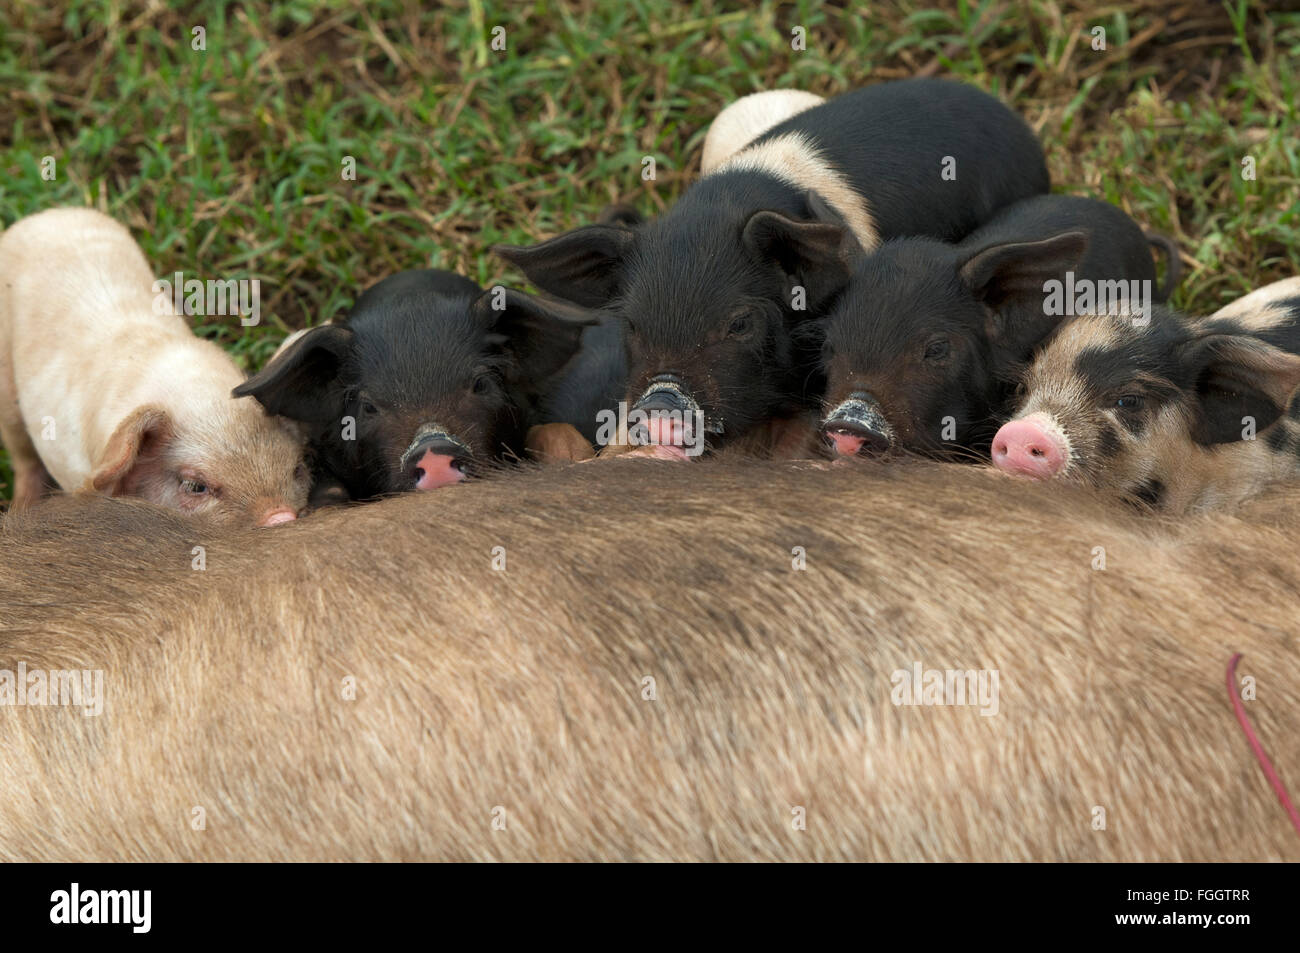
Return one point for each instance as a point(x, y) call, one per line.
point(424, 418)
point(906, 361)
point(713, 318)
point(718, 379)
point(919, 348)
point(1138, 407)
point(240, 466)
point(427, 383)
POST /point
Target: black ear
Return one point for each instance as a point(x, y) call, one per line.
point(1010, 269)
point(297, 383)
point(621, 214)
point(1238, 377)
point(813, 254)
point(583, 265)
point(822, 211)
point(1009, 279)
point(542, 334)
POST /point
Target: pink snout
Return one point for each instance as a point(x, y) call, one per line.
point(1031, 446)
point(665, 430)
point(435, 470)
point(844, 443)
point(281, 514)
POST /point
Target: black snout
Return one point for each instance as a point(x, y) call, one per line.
point(663, 400)
point(665, 393)
point(848, 437)
point(858, 426)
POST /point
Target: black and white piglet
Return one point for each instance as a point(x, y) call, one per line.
point(710, 296)
point(1182, 414)
point(924, 347)
point(428, 378)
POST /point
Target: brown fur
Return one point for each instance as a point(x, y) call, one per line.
point(521, 688)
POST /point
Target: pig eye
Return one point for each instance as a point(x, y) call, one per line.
point(195, 487)
point(937, 349)
point(482, 383)
point(1129, 402)
point(740, 326)
point(368, 408)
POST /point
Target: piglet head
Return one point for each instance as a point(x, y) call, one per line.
point(713, 301)
point(238, 465)
point(1140, 406)
point(427, 382)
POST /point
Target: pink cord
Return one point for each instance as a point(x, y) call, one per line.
point(1254, 743)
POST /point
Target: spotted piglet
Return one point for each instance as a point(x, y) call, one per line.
point(1179, 414)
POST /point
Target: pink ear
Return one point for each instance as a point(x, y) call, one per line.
point(137, 441)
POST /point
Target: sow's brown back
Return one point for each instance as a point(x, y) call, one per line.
point(649, 677)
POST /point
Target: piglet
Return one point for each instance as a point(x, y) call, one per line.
point(103, 387)
point(924, 347)
point(1180, 414)
point(429, 380)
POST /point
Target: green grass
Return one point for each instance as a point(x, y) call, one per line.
point(226, 163)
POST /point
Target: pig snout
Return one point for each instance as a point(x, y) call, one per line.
point(1032, 446)
point(435, 459)
point(670, 413)
point(858, 426)
point(433, 470)
point(277, 515)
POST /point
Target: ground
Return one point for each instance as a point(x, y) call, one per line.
point(227, 161)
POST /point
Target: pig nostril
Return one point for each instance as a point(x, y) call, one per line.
point(875, 443)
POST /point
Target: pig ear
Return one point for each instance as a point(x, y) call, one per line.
point(1017, 271)
point(134, 449)
point(814, 254)
point(542, 333)
point(299, 381)
point(1021, 268)
point(583, 265)
point(1238, 377)
point(621, 214)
